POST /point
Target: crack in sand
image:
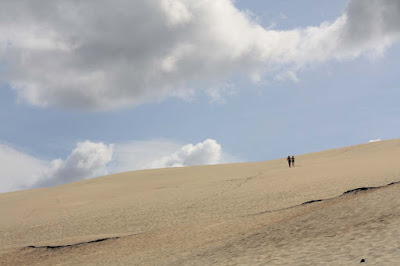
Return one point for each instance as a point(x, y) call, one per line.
point(74, 245)
point(356, 190)
point(80, 243)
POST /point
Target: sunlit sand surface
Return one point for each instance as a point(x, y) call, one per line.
point(235, 214)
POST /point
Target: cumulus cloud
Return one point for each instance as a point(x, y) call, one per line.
point(102, 55)
point(88, 159)
point(207, 152)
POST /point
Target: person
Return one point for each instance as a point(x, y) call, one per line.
point(292, 161)
point(289, 161)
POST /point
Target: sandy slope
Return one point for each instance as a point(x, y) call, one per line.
point(248, 213)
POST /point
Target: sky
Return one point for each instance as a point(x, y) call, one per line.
point(97, 87)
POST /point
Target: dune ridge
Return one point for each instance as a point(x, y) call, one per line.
point(335, 207)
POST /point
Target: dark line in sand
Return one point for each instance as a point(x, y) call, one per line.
point(351, 191)
point(73, 245)
point(80, 243)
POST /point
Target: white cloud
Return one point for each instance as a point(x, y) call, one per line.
point(374, 140)
point(102, 54)
point(207, 152)
point(89, 159)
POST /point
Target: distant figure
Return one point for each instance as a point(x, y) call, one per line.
point(292, 161)
point(289, 161)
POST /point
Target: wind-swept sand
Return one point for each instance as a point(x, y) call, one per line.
point(249, 213)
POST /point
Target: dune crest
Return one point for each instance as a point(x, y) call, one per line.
point(336, 207)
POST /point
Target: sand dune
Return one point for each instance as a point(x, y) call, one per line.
point(248, 213)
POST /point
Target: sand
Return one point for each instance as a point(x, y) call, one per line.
point(233, 214)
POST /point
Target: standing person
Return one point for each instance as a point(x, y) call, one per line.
point(289, 161)
point(292, 161)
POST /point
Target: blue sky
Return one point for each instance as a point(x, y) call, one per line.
point(330, 103)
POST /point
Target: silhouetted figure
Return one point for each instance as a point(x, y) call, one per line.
point(292, 161)
point(289, 161)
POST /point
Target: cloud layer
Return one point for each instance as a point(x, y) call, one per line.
point(91, 159)
point(102, 55)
